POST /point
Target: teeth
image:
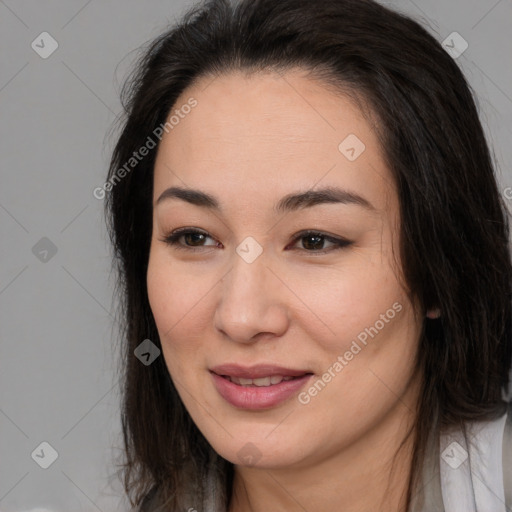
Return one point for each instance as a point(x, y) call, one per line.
point(262, 381)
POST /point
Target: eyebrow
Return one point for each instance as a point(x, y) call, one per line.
point(290, 202)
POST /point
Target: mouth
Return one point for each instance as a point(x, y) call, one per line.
point(258, 374)
point(258, 387)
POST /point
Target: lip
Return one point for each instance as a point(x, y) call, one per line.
point(256, 371)
point(258, 397)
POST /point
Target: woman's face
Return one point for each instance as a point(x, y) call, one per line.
point(253, 289)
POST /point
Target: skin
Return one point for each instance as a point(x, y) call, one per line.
point(250, 141)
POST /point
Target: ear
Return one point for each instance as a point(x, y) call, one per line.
point(433, 313)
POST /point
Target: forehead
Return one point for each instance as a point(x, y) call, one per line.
point(269, 134)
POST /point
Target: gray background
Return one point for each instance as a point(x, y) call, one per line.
point(58, 358)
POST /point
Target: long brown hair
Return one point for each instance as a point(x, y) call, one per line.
point(454, 227)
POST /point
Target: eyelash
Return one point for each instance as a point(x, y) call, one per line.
point(173, 240)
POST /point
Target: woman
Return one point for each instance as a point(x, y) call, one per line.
point(314, 262)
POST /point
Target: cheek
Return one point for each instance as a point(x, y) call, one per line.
point(342, 303)
point(162, 284)
point(178, 301)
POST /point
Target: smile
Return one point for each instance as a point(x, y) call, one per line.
point(260, 393)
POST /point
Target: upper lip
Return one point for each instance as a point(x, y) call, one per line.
point(256, 371)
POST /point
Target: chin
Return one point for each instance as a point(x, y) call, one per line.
point(259, 450)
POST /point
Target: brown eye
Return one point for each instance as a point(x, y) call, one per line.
point(192, 239)
point(313, 242)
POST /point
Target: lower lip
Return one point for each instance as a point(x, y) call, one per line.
point(254, 397)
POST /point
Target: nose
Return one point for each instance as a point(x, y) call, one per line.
point(252, 303)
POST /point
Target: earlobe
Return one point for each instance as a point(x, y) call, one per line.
point(433, 313)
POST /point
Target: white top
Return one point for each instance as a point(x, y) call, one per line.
point(476, 484)
point(473, 476)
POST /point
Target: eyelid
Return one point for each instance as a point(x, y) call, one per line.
point(339, 242)
point(174, 236)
